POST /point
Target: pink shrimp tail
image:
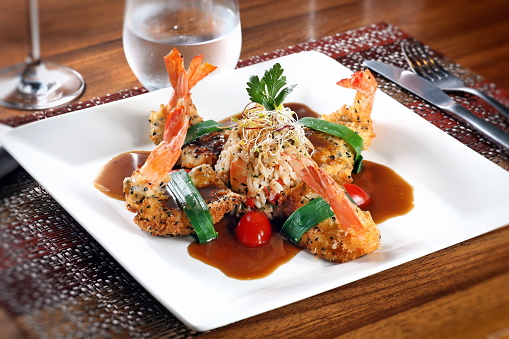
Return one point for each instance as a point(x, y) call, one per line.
point(362, 81)
point(328, 189)
point(162, 159)
point(198, 70)
point(181, 80)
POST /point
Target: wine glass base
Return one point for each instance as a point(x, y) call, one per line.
point(41, 86)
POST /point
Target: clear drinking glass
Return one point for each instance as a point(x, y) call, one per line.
point(153, 27)
point(36, 84)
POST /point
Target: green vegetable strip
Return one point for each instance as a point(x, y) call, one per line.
point(341, 131)
point(202, 128)
point(188, 197)
point(306, 217)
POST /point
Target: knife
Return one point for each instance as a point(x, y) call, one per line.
point(428, 91)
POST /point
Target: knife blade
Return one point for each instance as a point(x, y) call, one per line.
point(429, 92)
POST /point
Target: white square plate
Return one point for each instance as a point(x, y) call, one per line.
point(458, 193)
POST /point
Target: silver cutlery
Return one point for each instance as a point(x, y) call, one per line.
point(421, 62)
point(428, 91)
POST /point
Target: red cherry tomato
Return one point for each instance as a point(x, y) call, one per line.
point(358, 195)
point(254, 229)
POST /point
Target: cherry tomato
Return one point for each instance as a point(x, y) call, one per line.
point(358, 195)
point(254, 229)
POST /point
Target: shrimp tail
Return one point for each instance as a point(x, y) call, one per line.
point(363, 82)
point(174, 66)
point(357, 116)
point(181, 80)
point(198, 70)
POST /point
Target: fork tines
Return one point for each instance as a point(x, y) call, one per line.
point(421, 62)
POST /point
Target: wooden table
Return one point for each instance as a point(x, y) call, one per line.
point(459, 292)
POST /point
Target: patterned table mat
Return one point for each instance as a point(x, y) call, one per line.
point(57, 281)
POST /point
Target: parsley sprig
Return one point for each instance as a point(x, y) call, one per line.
point(268, 91)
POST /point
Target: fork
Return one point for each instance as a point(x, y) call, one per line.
point(423, 64)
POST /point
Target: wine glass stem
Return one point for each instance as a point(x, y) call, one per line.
point(33, 41)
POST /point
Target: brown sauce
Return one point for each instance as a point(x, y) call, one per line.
point(238, 261)
point(231, 119)
point(111, 177)
point(213, 141)
point(301, 110)
point(391, 195)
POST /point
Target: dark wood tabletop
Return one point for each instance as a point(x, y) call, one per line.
point(459, 292)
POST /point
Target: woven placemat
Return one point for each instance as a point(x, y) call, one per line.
point(57, 281)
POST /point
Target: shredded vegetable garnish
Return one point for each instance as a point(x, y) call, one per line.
point(257, 147)
point(269, 132)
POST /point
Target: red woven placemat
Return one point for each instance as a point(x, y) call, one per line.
point(57, 281)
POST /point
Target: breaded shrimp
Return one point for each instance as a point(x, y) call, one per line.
point(182, 82)
point(358, 116)
point(333, 154)
point(159, 214)
point(145, 191)
point(350, 234)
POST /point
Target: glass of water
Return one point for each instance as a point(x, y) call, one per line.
point(153, 27)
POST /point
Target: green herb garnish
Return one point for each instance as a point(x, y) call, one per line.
point(268, 91)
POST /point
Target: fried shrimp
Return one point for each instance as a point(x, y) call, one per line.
point(146, 191)
point(357, 117)
point(159, 214)
point(333, 154)
point(350, 234)
point(182, 82)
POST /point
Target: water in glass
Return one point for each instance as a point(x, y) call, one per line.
point(153, 28)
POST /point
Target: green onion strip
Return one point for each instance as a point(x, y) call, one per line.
point(191, 201)
point(341, 131)
point(306, 217)
point(202, 128)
